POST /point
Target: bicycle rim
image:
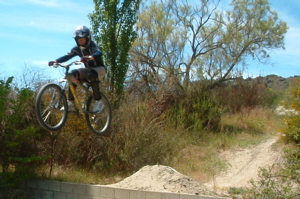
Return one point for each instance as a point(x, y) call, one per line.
point(99, 121)
point(49, 102)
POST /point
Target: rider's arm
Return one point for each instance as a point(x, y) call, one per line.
point(68, 56)
point(96, 54)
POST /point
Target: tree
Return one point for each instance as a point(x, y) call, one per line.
point(113, 26)
point(172, 35)
point(250, 29)
point(157, 52)
point(19, 138)
point(203, 38)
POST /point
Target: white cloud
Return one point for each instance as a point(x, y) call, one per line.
point(47, 3)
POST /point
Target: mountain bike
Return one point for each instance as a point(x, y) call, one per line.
point(52, 105)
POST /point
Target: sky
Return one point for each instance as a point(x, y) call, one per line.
point(34, 32)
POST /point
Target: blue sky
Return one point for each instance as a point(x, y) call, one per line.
point(34, 32)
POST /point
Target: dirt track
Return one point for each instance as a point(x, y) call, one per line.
point(244, 165)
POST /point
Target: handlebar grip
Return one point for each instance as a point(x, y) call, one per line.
point(54, 65)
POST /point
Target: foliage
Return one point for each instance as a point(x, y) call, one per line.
point(249, 30)
point(18, 137)
point(137, 139)
point(176, 38)
point(284, 184)
point(113, 27)
point(9, 193)
point(241, 94)
point(170, 40)
point(157, 51)
point(198, 111)
point(292, 122)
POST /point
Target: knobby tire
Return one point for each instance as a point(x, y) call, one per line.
point(49, 101)
point(99, 122)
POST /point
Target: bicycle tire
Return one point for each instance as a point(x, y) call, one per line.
point(49, 101)
point(99, 122)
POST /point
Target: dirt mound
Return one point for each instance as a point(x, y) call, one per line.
point(244, 165)
point(164, 179)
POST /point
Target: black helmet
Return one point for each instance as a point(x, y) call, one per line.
point(81, 32)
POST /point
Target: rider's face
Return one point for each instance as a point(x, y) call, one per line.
point(82, 41)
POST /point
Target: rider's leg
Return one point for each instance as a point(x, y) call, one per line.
point(92, 75)
point(93, 78)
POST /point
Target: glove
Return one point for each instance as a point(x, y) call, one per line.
point(51, 63)
point(84, 59)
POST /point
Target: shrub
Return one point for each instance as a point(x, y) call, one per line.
point(137, 139)
point(244, 94)
point(18, 137)
point(283, 184)
point(197, 111)
point(292, 122)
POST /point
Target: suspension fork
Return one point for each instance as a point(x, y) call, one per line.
point(77, 101)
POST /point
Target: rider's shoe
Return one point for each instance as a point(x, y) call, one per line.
point(98, 106)
point(71, 107)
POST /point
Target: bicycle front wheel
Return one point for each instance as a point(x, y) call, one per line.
point(99, 115)
point(51, 107)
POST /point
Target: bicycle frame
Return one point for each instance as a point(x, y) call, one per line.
point(51, 104)
point(70, 80)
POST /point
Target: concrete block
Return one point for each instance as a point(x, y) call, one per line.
point(92, 197)
point(136, 194)
point(85, 197)
point(72, 196)
point(59, 195)
point(54, 186)
point(93, 190)
point(42, 184)
point(170, 196)
point(43, 194)
point(67, 187)
point(107, 192)
point(80, 189)
point(153, 195)
point(212, 197)
point(122, 193)
point(188, 196)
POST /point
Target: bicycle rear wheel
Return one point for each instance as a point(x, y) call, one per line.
point(49, 102)
point(99, 121)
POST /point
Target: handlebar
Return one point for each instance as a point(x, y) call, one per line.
point(56, 64)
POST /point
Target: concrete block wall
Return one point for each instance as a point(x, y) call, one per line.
point(45, 189)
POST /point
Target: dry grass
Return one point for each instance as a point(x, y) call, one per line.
point(77, 175)
point(141, 139)
point(200, 158)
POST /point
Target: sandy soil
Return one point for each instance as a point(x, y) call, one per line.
point(244, 165)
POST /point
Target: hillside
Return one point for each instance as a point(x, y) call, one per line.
point(278, 83)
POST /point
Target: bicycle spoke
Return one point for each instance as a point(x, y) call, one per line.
point(98, 118)
point(49, 101)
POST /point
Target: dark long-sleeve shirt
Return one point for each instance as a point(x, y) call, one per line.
point(92, 50)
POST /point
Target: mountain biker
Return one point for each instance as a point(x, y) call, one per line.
point(91, 56)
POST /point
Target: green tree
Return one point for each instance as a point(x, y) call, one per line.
point(249, 30)
point(157, 52)
point(203, 38)
point(172, 35)
point(19, 138)
point(113, 26)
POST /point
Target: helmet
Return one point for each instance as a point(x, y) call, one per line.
point(81, 32)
